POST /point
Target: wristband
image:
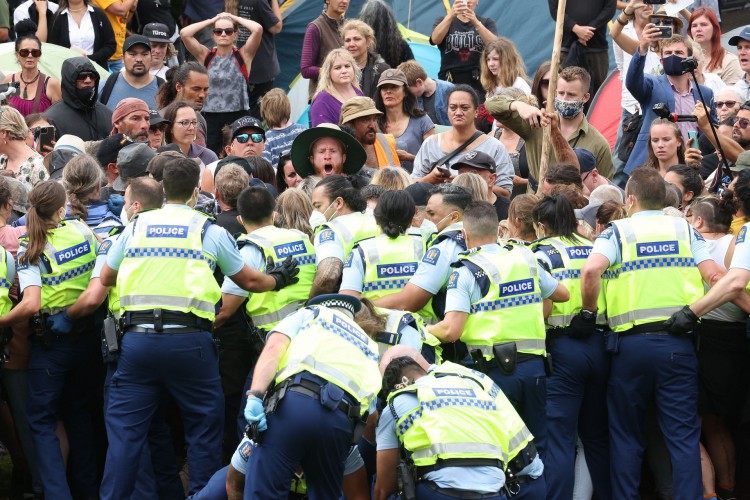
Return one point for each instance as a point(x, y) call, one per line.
point(256, 394)
point(629, 16)
point(619, 20)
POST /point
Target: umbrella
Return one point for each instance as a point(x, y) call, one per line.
point(50, 63)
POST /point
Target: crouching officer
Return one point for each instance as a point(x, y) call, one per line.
point(55, 261)
point(321, 369)
point(452, 436)
point(163, 267)
point(494, 305)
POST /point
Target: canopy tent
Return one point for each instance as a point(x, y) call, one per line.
point(50, 63)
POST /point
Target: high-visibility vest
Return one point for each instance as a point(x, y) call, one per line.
point(454, 419)
point(333, 347)
point(165, 267)
point(267, 309)
point(5, 285)
point(70, 253)
point(657, 275)
point(352, 228)
point(385, 151)
point(396, 322)
point(511, 310)
point(389, 263)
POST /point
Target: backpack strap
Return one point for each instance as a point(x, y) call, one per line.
point(108, 86)
point(39, 90)
point(237, 58)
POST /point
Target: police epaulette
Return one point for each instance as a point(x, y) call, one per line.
point(72, 217)
point(115, 230)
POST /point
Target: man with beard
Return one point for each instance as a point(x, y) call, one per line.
point(78, 112)
point(359, 115)
point(740, 140)
point(136, 80)
point(131, 118)
point(189, 83)
point(327, 150)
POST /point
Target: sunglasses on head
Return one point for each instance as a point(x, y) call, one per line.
point(243, 138)
point(742, 123)
point(729, 104)
point(85, 76)
point(228, 31)
point(30, 52)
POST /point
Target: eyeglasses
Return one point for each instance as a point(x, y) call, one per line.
point(187, 123)
point(85, 75)
point(742, 123)
point(30, 52)
point(228, 31)
point(256, 138)
point(729, 104)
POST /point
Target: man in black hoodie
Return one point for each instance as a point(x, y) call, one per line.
point(79, 112)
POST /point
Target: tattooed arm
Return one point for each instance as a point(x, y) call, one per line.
point(327, 277)
point(563, 152)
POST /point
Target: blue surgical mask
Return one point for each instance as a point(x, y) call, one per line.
point(673, 65)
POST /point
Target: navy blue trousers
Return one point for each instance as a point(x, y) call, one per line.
point(662, 369)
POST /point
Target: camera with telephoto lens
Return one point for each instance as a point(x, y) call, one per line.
point(689, 64)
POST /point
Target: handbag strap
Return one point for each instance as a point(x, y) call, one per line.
point(445, 159)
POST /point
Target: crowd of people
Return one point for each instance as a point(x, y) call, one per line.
point(401, 298)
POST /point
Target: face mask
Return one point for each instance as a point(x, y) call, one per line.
point(427, 229)
point(317, 219)
point(568, 109)
point(125, 217)
point(369, 211)
point(332, 215)
point(673, 65)
point(86, 96)
point(440, 222)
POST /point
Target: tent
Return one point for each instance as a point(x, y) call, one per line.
point(50, 63)
point(600, 113)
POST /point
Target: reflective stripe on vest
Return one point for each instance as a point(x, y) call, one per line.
point(179, 253)
point(68, 275)
point(386, 147)
point(5, 303)
point(167, 300)
point(444, 449)
point(642, 314)
point(275, 317)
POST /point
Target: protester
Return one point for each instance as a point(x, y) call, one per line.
point(359, 40)
point(431, 94)
point(162, 49)
point(275, 110)
point(286, 176)
point(501, 67)
point(321, 37)
point(742, 42)
point(360, 116)
point(24, 163)
point(703, 27)
point(338, 81)
point(135, 80)
point(666, 147)
point(132, 118)
point(390, 42)
point(181, 131)
point(189, 83)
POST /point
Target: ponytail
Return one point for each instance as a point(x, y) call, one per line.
point(81, 179)
point(45, 200)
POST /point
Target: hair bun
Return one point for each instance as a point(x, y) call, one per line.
point(27, 27)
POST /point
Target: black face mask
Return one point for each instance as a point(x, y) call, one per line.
point(673, 65)
point(87, 96)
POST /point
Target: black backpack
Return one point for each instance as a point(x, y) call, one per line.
point(110, 84)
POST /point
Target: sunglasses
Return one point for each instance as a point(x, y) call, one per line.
point(256, 138)
point(161, 127)
point(545, 82)
point(742, 123)
point(729, 104)
point(85, 76)
point(30, 52)
point(228, 31)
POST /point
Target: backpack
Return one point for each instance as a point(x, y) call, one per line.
point(110, 84)
point(237, 57)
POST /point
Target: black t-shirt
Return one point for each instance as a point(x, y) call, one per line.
point(265, 64)
point(228, 220)
point(155, 11)
point(461, 49)
point(501, 206)
point(428, 106)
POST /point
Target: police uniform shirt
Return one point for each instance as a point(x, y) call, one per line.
point(101, 256)
point(30, 274)
point(463, 289)
point(606, 243)
point(328, 244)
point(435, 269)
point(253, 257)
point(10, 265)
point(480, 479)
point(741, 257)
point(217, 243)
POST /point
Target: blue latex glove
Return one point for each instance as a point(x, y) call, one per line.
point(255, 414)
point(115, 203)
point(60, 323)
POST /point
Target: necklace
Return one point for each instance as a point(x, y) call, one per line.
point(77, 10)
point(26, 84)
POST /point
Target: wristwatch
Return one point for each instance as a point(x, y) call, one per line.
point(588, 315)
point(256, 394)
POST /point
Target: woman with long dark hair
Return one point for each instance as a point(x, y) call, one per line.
point(577, 389)
point(390, 43)
point(55, 262)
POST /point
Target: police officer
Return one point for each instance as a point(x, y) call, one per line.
point(455, 435)
point(657, 262)
point(263, 240)
point(444, 211)
point(321, 370)
point(577, 388)
point(494, 306)
point(55, 262)
point(163, 268)
point(384, 264)
point(345, 224)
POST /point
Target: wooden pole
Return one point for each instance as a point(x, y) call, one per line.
point(552, 89)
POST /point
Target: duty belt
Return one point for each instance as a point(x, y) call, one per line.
point(312, 389)
point(132, 320)
point(458, 462)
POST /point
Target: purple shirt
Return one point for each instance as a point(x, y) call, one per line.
point(684, 104)
point(326, 108)
point(205, 155)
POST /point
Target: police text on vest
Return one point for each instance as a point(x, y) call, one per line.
point(657, 248)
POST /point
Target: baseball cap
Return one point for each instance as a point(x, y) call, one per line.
point(110, 147)
point(476, 159)
point(586, 159)
point(156, 32)
point(588, 213)
point(393, 77)
point(743, 35)
point(246, 122)
point(155, 118)
point(420, 192)
point(743, 162)
point(357, 107)
point(135, 40)
point(132, 162)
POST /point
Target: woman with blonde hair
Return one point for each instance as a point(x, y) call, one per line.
point(82, 179)
point(474, 184)
point(501, 66)
point(359, 40)
point(520, 220)
point(15, 155)
point(338, 81)
point(293, 209)
point(391, 178)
